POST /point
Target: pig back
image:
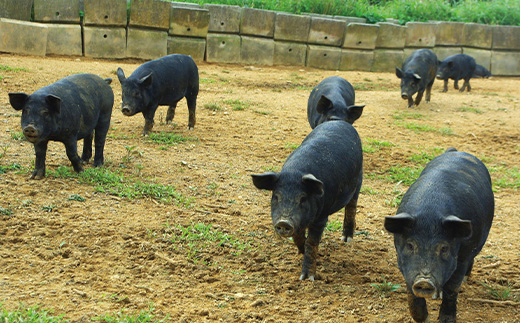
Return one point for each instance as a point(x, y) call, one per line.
point(332, 153)
point(173, 76)
point(84, 98)
point(454, 183)
point(422, 62)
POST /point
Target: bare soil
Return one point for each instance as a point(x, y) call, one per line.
point(109, 253)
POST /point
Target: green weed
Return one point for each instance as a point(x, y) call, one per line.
point(373, 145)
point(237, 105)
point(29, 315)
point(213, 106)
point(135, 317)
point(403, 174)
point(7, 68)
point(416, 127)
point(14, 166)
point(334, 226)
point(386, 287)
point(5, 211)
point(196, 238)
point(500, 292)
point(131, 153)
point(167, 138)
point(206, 81)
point(401, 115)
point(49, 208)
point(505, 177)
point(291, 146)
point(423, 158)
point(469, 109)
point(76, 197)
point(17, 135)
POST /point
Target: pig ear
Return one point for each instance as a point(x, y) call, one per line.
point(416, 76)
point(121, 75)
point(313, 184)
point(53, 102)
point(398, 72)
point(355, 111)
point(456, 227)
point(17, 100)
point(399, 223)
point(265, 181)
point(146, 81)
point(324, 104)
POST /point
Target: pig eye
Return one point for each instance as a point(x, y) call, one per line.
point(445, 250)
point(303, 199)
point(410, 247)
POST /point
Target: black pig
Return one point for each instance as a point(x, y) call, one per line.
point(440, 226)
point(164, 81)
point(481, 71)
point(417, 75)
point(67, 111)
point(333, 99)
point(457, 67)
point(323, 175)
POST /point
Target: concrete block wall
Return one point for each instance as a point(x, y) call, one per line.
point(230, 34)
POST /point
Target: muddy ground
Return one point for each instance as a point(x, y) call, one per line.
point(210, 254)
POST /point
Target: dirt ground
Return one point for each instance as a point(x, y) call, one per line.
point(109, 253)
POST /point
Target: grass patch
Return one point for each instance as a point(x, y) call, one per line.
point(29, 315)
point(291, 146)
point(423, 157)
point(401, 115)
point(505, 177)
point(334, 226)
point(13, 166)
point(418, 128)
point(403, 174)
point(207, 81)
point(212, 107)
point(385, 287)
point(6, 68)
point(195, 239)
point(18, 136)
point(114, 183)
point(469, 109)
point(169, 138)
point(373, 145)
point(237, 105)
point(5, 211)
point(500, 292)
point(144, 316)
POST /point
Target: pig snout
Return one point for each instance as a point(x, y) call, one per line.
point(424, 287)
point(404, 96)
point(127, 111)
point(284, 228)
point(31, 133)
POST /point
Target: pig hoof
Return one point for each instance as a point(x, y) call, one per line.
point(346, 239)
point(190, 128)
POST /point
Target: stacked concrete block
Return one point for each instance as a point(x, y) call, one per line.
point(188, 31)
point(292, 28)
point(445, 52)
point(323, 57)
point(391, 36)
point(356, 60)
point(361, 36)
point(23, 37)
point(223, 19)
point(257, 22)
point(257, 30)
point(223, 48)
point(477, 36)
point(420, 34)
point(327, 32)
point(349, 20)
point(62, 16)
point(257, 51)
point(104, 33)
point(16, 9)
point(386, 60)
point(505, 57)
point(147, 32)
point(289, 53)
point(481, 56)
point(64, 39)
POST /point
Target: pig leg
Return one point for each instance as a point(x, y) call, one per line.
point(310, 256)
point(445, 89)
point(349, 222)
point(429, 91)
point(171, 113)
point(71, 147)
point(99, 142)
point(465, 85)
point(299, 240)
point(417, 306)
point(40, 150)
point(456, 84)
point(148, 120)
point(192, 106)
point(468, 271)
point(87, 148)
point(418, 98)
point(450, 292)
point(410, 101)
